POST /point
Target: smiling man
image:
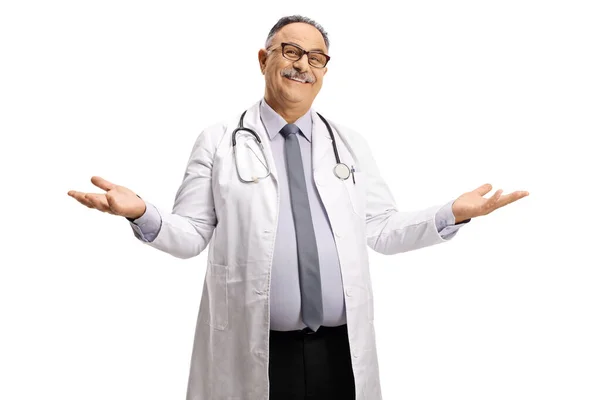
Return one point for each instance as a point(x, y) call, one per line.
point(288, 201)
point(292, 81)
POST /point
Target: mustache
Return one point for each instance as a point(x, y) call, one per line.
point(294, 74)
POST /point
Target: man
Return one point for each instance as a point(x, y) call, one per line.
point(286, 310)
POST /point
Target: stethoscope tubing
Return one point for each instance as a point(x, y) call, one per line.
point(333, 142)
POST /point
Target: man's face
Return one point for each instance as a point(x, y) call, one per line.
point(290, 81)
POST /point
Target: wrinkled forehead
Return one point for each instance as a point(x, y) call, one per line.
point(305, 35)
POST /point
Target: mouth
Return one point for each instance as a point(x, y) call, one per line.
point(297, 80)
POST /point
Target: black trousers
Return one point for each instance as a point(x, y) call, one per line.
point(306, 365)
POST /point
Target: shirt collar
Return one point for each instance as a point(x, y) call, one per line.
point(273, 122)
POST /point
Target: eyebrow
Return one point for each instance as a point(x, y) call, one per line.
point(320, 50)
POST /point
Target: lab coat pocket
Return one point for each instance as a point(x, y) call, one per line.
point(356, 190)
point(216, 296)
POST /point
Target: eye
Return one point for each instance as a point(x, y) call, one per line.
point(292, 51)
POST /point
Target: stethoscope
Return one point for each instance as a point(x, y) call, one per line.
point(341, 170)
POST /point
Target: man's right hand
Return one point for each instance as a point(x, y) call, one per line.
point(118, 200)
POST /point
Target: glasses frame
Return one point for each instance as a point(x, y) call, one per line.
point(308, 53)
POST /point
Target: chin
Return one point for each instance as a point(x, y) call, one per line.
point(297, 98)
point(292, 95)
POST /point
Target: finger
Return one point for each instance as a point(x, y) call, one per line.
point(80, 197)
point(98, 200)
point(103, 183)
point(511, 198)
point(490, 204)
point(483, 189)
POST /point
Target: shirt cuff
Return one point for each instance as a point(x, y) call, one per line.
point(147, 227)
point(445, 221)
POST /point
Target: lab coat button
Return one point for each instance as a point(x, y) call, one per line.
point(338, 234)
point(349, 292)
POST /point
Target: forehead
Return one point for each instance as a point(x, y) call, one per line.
point(305, 35)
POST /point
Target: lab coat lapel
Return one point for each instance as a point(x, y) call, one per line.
point(322, 150)
point(252, 120)
point(329, 187)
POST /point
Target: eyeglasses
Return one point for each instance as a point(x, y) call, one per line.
point(293, 52)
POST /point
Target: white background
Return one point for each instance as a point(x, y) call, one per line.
point(450, 95)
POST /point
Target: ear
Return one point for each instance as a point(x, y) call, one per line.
point(262, 60)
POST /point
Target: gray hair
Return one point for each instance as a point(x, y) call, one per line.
point(290, 20)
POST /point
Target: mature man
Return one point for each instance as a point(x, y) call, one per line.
point(286, 310)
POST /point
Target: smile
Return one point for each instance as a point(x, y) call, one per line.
point(296, 80)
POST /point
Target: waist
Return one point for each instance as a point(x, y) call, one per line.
point(322, 331)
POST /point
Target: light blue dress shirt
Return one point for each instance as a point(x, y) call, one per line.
point(285, 286)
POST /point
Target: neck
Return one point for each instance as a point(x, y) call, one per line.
point(289, 112)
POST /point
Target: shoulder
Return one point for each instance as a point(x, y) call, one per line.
point(215, 134)
point(349, 134)
point(218, 132)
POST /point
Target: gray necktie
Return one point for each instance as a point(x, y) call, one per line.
point(308, 259)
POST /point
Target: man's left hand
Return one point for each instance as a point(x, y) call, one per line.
point(473, 204)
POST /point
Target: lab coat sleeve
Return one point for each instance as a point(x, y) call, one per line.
point(389, 230)
point(185, 231)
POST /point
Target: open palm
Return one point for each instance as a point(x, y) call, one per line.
point(118, 200)
point(473, 204)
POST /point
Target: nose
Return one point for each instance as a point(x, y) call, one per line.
point(302, 64)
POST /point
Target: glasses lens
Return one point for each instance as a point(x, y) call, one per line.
point(294, 53)
point(291, 52)
point(317, 59)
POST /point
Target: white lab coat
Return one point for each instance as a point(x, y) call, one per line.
point(230, 356)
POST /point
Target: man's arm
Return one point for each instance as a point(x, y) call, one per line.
point(390, 231)
point(186, 231)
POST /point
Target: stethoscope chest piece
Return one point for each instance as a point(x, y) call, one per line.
point(342, 171)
